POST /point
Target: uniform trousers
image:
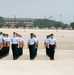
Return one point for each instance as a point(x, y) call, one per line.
point(47, 51)
point(32, 52)
point(15, 51)
point(52, 51)
point(4, 51)
point(8, 50)
point(0, 53)
point(20, 51)
point(36, 51)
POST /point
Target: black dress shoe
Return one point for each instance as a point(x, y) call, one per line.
point(14, 58)
point(51, 59)
point(1, 57)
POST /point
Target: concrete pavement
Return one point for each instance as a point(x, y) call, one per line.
point(62, 65)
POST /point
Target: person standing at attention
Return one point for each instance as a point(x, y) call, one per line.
point(4, 49)
point(20, 45)
point(36, 45)
point(7, 43)
point(31, 46)
point(14, 41)
point(46, 45)
point(52, 46)
point(1, 44)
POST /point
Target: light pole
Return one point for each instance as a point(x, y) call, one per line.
point(73, 18)
point(60, 17)
point(50, 18)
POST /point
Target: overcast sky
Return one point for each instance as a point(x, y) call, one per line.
point(38, 9)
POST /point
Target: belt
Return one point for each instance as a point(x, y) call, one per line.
point(32, 45)
point(52, 45)
point(14, 44)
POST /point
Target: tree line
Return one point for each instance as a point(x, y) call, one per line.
point(46, 23)
point(40, 23)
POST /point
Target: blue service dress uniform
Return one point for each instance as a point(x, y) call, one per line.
point(52, 42)
point(31, 42)
point(14, 41)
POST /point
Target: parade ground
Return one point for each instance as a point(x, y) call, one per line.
point(42, 65)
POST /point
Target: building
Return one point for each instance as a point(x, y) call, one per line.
point(14, 21)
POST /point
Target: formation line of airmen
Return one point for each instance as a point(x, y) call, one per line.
point(4, 44)
point(17, 43)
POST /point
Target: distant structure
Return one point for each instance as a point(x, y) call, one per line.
point(14, 21)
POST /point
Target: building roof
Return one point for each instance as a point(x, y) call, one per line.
point(21, 19)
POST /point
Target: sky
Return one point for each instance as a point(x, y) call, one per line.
point(60, 10)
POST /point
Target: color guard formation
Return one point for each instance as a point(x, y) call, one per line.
point(17, 43)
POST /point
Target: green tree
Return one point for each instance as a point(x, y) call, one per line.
point(65, 26)
point(58, 25)
point(8, 25)
point(46, 23)
point(1, 20)
point(72, 25)
point(20, 24)
point(42, 23)
point(1, 25)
